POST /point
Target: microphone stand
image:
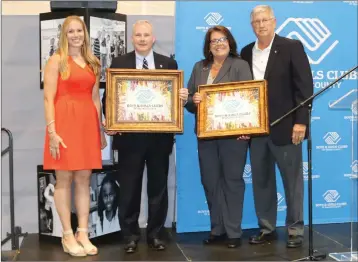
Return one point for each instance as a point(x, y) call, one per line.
point(311, 256)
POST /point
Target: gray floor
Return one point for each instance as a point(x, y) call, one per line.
point(188, 247)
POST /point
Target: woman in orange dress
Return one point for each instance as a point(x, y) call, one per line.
point(73, 139)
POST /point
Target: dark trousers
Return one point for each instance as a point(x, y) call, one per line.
point(222, 163)
point(130, 170)
point(264, 154)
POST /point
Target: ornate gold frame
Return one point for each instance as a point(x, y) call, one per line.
point(234, 86)
point(114, 75)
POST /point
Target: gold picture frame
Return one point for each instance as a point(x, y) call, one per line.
point(232, 109)
point(144, 100)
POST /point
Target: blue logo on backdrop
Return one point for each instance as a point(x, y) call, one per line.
point(281, 204)
point(352, 3)
point(354, 166)
point(313, 34)
point(355, 107)
point(332, 138)
point(247, 174)
point(213, 18)
point(331, 52)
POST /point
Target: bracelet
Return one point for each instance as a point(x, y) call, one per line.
point(50, 122)
point(50, 132)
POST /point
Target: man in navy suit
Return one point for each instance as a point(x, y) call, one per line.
point(284, 64)
point(135, 150)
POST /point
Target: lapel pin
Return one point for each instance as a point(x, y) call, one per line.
point(275, 51)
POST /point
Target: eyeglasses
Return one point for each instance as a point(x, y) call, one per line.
point(263, 21)
point(218, 41)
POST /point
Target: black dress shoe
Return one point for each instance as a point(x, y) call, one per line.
point(156, 244)
point(131, 246)
point(214, 239)
point(262, 238)
point(294, 241)
point(233, 242)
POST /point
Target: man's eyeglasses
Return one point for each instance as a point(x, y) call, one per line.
point(218, 41)
point(263, 21)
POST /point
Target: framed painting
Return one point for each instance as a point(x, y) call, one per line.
point(232, 109)
point(142, 100)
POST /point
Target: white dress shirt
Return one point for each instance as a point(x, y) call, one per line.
point(150, 60)
point(259, 60)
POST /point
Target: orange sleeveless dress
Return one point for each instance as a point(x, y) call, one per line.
point(76, 122)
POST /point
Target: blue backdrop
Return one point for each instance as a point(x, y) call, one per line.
point(328, 31)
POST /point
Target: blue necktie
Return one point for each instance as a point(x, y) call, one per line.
point(145, 64)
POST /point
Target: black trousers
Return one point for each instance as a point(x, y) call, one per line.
point(130, 171)
point(264, 155)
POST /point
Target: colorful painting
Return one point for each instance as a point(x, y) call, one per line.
point(144, 100)
point(233, 109)
point(230, 110)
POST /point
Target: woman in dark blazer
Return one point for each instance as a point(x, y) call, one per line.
point(221, 160)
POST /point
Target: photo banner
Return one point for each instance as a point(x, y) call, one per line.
point(332, 51)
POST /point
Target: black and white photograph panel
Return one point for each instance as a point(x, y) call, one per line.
point(107, 204)
point(107, 41)
point(50, 35)
point(92, 219)
point(50, 223)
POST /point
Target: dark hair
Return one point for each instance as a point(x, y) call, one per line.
point(232, 43)
point(101, 205)
point(103, 43)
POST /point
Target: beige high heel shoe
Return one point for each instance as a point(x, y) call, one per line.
point(88, 248)
point(75, 251)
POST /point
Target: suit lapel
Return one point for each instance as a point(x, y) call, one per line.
point(249, 57)
point(157, 61)
point(204, 74)
point(132, 60)
point(223, 70)
point(272, 56)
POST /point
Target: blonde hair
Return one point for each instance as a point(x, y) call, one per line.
point(140, 22)
point(85, 49)
point(262, 8)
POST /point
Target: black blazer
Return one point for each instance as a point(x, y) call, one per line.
point(234, 69)
point(139, 141)
point(289, 77)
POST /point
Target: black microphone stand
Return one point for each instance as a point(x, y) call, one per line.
point(313, 255)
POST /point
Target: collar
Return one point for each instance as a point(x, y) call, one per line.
point(256, 46)
point(150, 56)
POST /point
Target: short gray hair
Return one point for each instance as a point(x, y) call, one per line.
point(262, 8)
point(140, 22)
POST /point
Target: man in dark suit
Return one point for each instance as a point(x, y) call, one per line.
point(284, 64)
point(135, 150)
